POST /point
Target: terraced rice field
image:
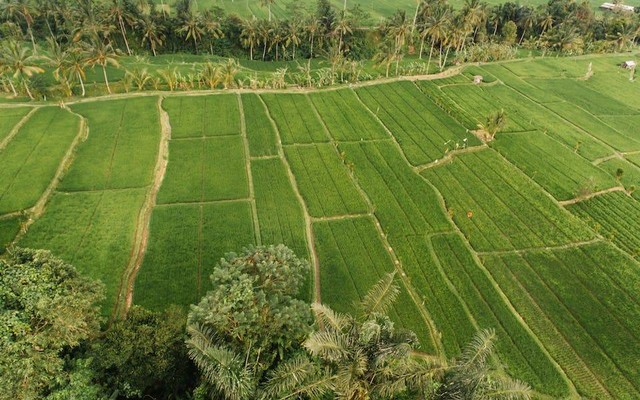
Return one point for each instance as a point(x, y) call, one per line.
point(535, 234)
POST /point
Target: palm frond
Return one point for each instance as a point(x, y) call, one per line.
point(298, 376)
point(327, 318)
point(474, 357)
point(380, 297)
point(505, 388)
point(331, 346)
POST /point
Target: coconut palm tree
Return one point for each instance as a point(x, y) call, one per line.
point(16, 10)
point(293, 35)
point(228, 72)
point(123, 15)
point(268, 4)
point(192, 28)
point(20, 63)
point(152, 33)
point(526, 22)
point(249, 34)
point(495, 123)
point(103, 54)
point(77, 63)
point(342, 28)
point(212, 28)
point(546, 23)
point(437, 27)
point(313, 28)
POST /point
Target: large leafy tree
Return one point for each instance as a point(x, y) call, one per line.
point(46, 310)
point(250, 321)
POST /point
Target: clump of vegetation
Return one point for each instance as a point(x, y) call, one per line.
point(494, 123)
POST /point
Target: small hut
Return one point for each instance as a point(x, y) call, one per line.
point(628, 64)
point(478, 79)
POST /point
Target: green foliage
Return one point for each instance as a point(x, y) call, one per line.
point(10, 118)
point(8, 230)
point(509, 32)
point(494, 123)
point(260, 132)
point(295, 119)
point(250, 321)
point(193, 116)
point(144, 355)
point(46, 310)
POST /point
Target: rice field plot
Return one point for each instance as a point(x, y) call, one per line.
point(431, 284)
point(499, 208)
point(616, 216)
point(260, 133)
point(185, 244)
point(10, 118)
point(208, 169)
point(324, 181)
point(352, 259)
point(580, 94)
point(121, 149)
point(626, 125)
point(575, 137)
point(29, 162)
point(93, 231)
point(403, 202)
point(581, 303)
point(621, 141)
point(295, 118)
point(198, 116)
point(516, 348)
point(423, 130)
point(9, 228)
point(279, 212)
point(509, 78)
point(345, 117)
point(630, 174)
point(563, 173)
point(550, 68)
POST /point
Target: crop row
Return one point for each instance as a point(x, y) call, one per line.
point(630, 178)
point(563, 173)
point(446, 310)
point(324, 181)
point(515, 346)
point(260, 132)
point(186, 241)
point(206, 169)
point(93, 231)
point(121, 149)
point(352, 259)
point(422, 129)
point(295, 118)
point(403, 202)
point(200, 116)
point(614, 215)
point(570, 289)
point(8, 230)
point(31, 158)
point(10, 118)
point(498, 208)
point(345, 117)
point(506, 76)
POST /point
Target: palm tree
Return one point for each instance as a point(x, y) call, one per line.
point(152, 33)
point(437, 27)
point(103, 54)
point(293, 35)
point(121, 11)
point(313, 28)
point(268, 4)
point(228, 72)
point(78, 60)
point(495, 123)
point(212, 28)
point(14, 10)
point(192, 29)
point(342, 27)
point(526, 22)
point(275, 38)
point(20, 64)
point(249, 34)
point(361, 357)
point(546, 23)
point(210, 74)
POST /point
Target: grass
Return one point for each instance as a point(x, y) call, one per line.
point(121, 149)
point(29, 162)
point(345, 117)
point(498, 208)
point(324, 181)
point(422, 129)
point(93, 231)
point(200, 116)
point(8, 230)
point(295, 119)
point(260, 133)
point(352, 260)
point(185, 244)
point(10, 118)
point(630, 173)
point(205, 170)
point(564, 174)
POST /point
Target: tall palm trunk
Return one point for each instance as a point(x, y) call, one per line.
point(433, 42)
point(415, 20)
point(106, 79)
point(13, 89)
point(33, 40)
point(123, 31)
point(421, 46)
point(26, 87)
point(269, 12)
point(312, 40)
point(81, 83)
point(251, 51)
point(264, 52)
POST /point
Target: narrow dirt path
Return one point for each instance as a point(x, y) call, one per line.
point(247, 164)
point(313, 254)
point(14, 131)
point(37, 210)
point(450, 156)
point(591, 195)
point(141, 236)
point(546, 248)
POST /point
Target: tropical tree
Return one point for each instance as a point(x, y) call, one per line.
point(151, 33)
point(192, 28)
point(20, 64)
point(293, 35)
point(20, 9)
point(313, 28)
point(77, 63)
point(212, 29)
point(494, 123)
point(249, 34)
point(123, 13)
point(250, 321)
point(228, 71)
point(342, 27)
point(267, 3)
point(103, 55)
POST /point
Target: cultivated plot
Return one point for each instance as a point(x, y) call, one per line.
point(260, 133)
point(185, 243)
point(563, 173)
point(9, 228)
point(207, 169)
point(295, 118)
point(93, 231)
point(626, 174)
point(403, 202)
point(324, 181)
point(121, 148)
point(345, 116)
point(422, 129)
point(29, 162)
point(200, 116)
point(581, 303)
point(499, 208)
point(9, 118)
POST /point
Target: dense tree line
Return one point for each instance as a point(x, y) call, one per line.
point(70, 36)
point(250, 337)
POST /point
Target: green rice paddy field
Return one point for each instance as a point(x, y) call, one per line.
point(535, 234)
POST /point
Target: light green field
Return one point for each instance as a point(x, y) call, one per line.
point(513, 235)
